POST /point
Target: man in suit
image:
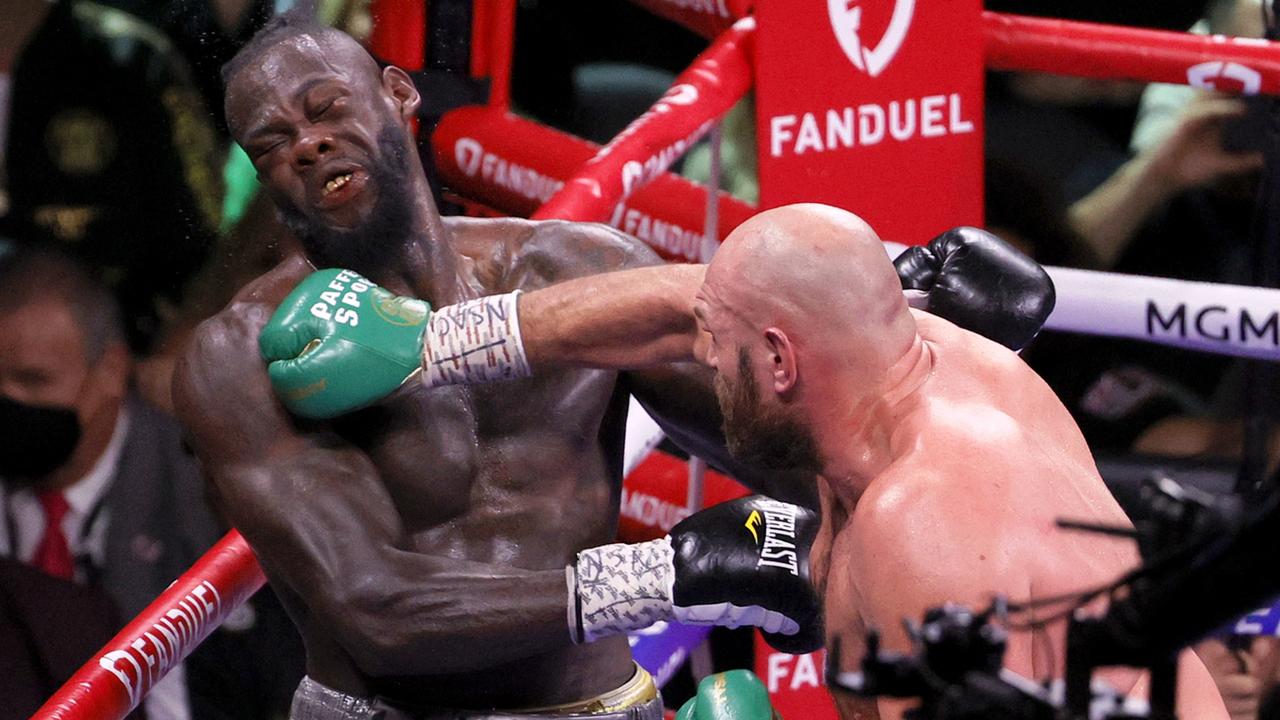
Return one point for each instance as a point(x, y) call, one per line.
point(97, 488)
point(40, 649)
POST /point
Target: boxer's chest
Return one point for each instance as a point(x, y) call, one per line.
point(466, 456)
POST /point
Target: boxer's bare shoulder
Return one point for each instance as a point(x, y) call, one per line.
point(220, 388)
point(512, 253)
point(982, 392)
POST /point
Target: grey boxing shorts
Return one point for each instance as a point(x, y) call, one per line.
point(637, 699)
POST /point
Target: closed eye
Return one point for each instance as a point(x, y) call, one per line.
point(263, 149)
point(326, 106)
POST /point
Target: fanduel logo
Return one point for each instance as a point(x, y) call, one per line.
point(474, 161)
point(1209, 75)
point(145, 660)
point(709, 7)
point(778, 542)
point(649, 510)
point(658, 233)
point(901, 121)
point(846, 22)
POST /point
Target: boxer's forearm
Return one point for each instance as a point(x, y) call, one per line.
point(622, 320)
point(324, 527)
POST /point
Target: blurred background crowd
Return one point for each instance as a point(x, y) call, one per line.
point(127, 215)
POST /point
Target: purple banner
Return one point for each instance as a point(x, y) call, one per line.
point(663, 647)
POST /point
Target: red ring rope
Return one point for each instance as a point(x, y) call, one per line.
point(719, 77)
point(513, 165)
point(126, 668)
point(708, 18)
point(1112, 52)
point(116, 679)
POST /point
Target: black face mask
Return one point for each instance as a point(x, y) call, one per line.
point(35, 440)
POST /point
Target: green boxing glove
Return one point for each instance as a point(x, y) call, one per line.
point(338, 343)
point(733, 695)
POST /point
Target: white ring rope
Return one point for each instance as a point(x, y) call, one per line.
point(1223, 319)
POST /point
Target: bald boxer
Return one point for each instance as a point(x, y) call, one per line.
point(421, 546)
point(943, 460)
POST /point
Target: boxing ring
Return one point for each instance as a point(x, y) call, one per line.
point(505, 164)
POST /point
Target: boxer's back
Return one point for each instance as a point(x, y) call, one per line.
point(1002, 437)
point(988, 460)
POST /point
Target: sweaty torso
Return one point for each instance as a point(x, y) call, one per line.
point(522, 473)
point(991, 446)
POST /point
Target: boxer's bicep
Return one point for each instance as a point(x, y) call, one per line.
point(619, 320)
point(613, 302)
point(322, 522)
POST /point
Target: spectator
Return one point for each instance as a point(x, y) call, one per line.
point(1245, 676)
point(39, 650)
point(1183, 207)
point(106, 151)
point(207, 33)
point(97, 487)
point(1181, 204)
point(1191, 156)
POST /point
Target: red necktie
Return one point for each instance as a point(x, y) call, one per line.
point(53, 555)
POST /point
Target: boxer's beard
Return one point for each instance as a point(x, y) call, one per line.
point(758, 435)
point(380, 242)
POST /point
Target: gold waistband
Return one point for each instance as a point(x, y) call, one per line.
point(638, 690)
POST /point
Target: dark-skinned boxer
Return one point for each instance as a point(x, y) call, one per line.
point(942, 459)
point(339, 341)
point(421, 544)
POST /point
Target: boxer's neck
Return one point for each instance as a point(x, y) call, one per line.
point(431, 268)
point(861, 434)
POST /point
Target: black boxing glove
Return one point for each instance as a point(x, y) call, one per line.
point(744, 562)
point(981, 283)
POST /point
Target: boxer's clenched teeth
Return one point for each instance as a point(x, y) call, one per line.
point(336, 183)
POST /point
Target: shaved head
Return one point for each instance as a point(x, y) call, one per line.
point(800, 301)
point(821, 275)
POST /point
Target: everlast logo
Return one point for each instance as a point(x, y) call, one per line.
point(1214, 322)
point(778, 544)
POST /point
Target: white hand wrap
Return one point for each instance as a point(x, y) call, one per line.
point(475, 341)
point(618, 588)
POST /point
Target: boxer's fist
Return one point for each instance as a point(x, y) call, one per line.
point(981, 283)
point(339, 343)
point(744, 562)
point(732, 695)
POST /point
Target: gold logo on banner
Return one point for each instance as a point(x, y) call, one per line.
point(80, 142)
